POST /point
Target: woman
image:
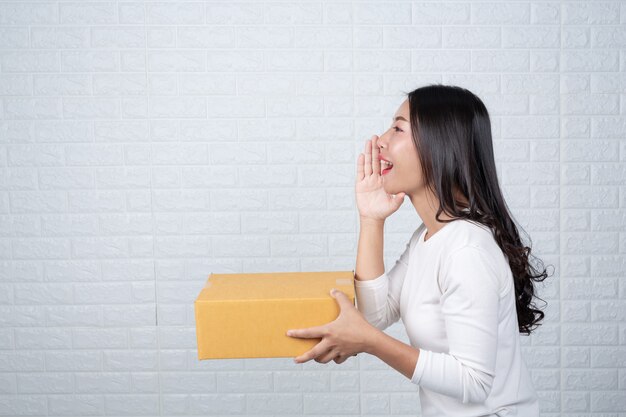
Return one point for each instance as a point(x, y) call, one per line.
point(463, 286)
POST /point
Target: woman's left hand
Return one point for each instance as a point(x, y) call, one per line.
point(346, 336)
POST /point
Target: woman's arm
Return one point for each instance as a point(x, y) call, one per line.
point(470, 308)
point(400, 356)
point(470, 302)
point(369, 257)
point(378, 296)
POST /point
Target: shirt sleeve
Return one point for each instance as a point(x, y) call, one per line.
point(469, 304)
point(379, 299)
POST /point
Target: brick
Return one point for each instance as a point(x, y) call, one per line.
point(173, 13)
point(235, 13)
point(592, 13)
point(118, 37)
point(490, 13)
point(613, 401)
point(423, 37)
point(575, 401)
point(52, 37)
point(331, 403)
point(530, 36)
point(433, 13)
point(30, 61)
point(89, 60)
point(139, 404)
point(68, 404)
point(49, 382)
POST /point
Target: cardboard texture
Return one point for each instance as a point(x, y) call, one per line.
point(248, 315)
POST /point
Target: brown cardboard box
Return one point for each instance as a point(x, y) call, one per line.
point(248, 315)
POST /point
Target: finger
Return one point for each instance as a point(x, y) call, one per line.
point(359, 168)
point(311, 332)
point(318, 350)
point(340, 359)
point(368, 158)
point(342, 299)
point(327, 357)
point(375, 151)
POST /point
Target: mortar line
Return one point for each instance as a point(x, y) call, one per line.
point(560, 262)
point(154, 271)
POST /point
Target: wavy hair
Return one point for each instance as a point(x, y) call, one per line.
point(451, 129)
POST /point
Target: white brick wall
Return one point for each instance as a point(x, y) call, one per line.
point(145, 144)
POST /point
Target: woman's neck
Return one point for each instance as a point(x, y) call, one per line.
point(426, 206)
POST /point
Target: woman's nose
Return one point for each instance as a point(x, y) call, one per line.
point(382, 140)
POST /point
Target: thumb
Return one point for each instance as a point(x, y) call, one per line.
point(340, 296)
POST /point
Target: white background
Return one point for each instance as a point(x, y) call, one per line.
point(144, 145)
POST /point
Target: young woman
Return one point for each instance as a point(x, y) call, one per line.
point(463, 286)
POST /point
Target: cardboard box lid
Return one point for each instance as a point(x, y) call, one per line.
point(275, 286)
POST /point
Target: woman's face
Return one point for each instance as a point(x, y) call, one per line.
point(396, 146)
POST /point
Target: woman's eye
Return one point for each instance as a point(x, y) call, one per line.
point(397, 129)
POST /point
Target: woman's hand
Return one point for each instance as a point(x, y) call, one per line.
point(346, 336)
point(372, 200)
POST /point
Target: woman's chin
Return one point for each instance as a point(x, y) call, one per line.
point(388, 189)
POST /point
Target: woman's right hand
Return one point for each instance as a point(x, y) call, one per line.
point(372, 200)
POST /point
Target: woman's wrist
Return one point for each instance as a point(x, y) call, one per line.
point(370, 340)
point(395, 353)
point(371, 221)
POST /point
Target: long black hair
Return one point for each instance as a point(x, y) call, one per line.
point(451, 130)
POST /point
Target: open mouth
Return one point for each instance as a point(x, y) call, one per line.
point(386, 167)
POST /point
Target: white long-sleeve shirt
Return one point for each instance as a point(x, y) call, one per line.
point(455, 295)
